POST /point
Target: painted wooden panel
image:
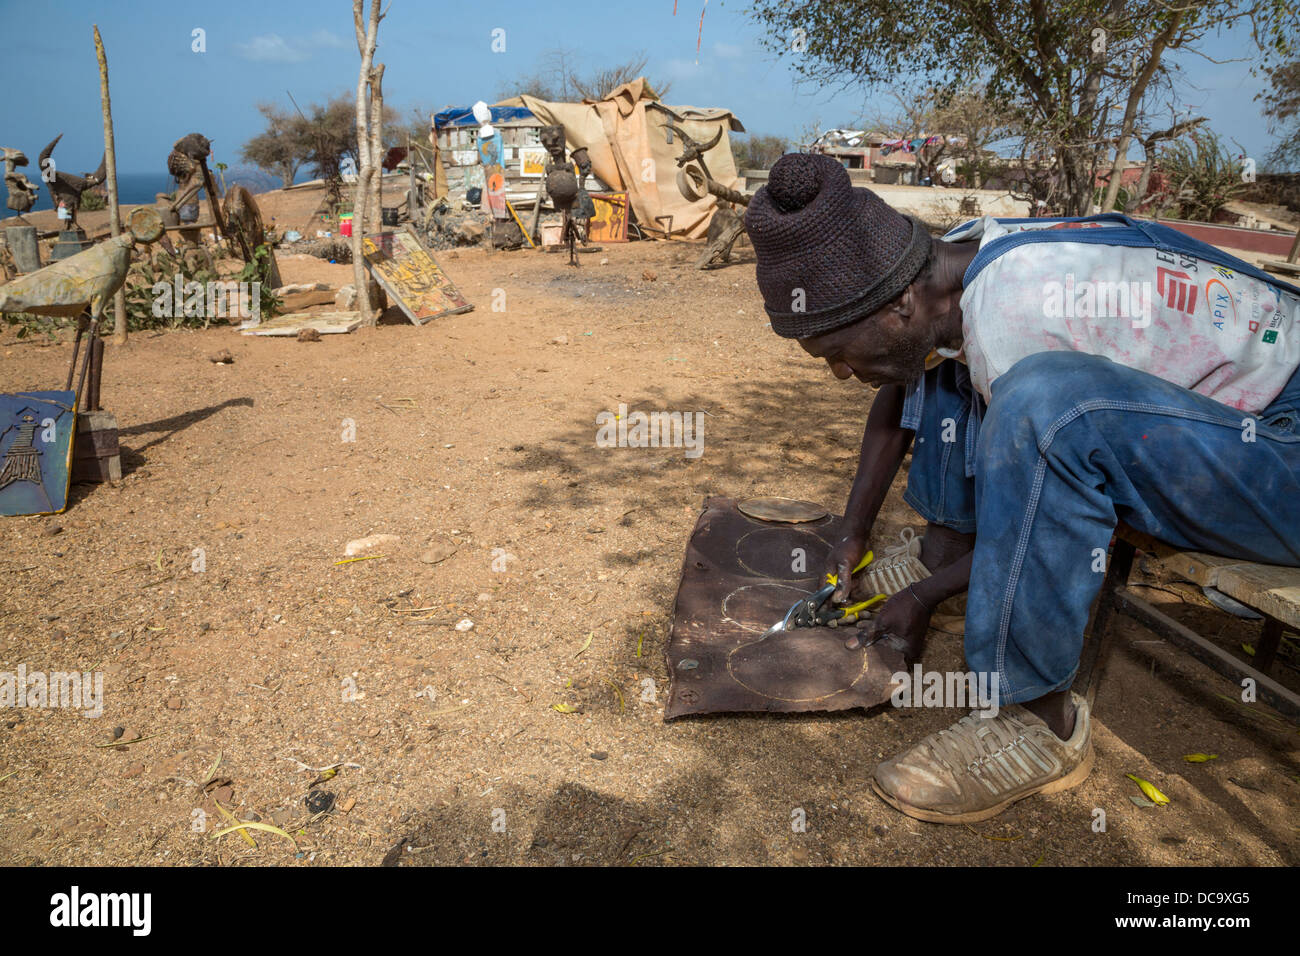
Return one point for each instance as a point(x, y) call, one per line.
point(411, 276)
point(36, 432)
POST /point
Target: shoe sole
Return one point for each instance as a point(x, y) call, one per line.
point(1070, 780)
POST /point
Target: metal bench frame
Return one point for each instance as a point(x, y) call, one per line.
point(1117, 598)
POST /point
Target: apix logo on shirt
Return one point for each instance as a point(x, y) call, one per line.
point(1223, 309)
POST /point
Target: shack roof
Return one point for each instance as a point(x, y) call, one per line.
point(501, 116)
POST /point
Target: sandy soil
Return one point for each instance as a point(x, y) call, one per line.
point(476, 433)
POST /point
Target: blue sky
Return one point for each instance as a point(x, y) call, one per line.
point(437, 54)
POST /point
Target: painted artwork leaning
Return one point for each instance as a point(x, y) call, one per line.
point(610, 222)
point(36, 432)
point(410, 275)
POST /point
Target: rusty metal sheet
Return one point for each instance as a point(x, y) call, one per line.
point(738, 579)
point(790, 510)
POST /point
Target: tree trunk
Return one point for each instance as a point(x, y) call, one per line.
point(110, 172)
point(375, 201)
point(366, 43)
point(1131, 108)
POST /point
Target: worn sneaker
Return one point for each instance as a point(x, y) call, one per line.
point(895, 568)
point(981, 765)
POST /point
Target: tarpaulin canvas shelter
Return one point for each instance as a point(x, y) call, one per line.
point(632, 149)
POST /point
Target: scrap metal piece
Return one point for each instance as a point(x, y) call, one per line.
point(691, 150)
point(695, 183)
point(790, 510)
point(740, 575)
point(244, 220)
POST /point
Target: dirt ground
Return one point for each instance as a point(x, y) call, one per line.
point(476, 433)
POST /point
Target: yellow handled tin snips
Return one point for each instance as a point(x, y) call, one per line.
point(817, 609)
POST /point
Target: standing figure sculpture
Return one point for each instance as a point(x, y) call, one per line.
point(187, 163)
point(562, 187)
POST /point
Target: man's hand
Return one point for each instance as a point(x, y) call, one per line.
point(844, 557)
point(902, 617)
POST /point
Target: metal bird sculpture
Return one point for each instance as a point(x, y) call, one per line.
point(66, 188)
point(88, 280)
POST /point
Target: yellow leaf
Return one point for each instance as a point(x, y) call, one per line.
point(616, 691)
point(1152, 794)
point(207, 777)
point(247, 824)
point(1200, 758)
point(231, 817)
point(590, 635)
point(564, 708)
point(1249, 649)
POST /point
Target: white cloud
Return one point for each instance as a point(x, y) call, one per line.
point(679, 69)
point(324, 40)
point(727, 51)
point(273, 48)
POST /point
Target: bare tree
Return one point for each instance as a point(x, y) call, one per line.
point(600, 83)
point(965, 120)
point(558, 78)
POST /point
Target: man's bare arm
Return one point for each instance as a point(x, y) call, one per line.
point(884, 443)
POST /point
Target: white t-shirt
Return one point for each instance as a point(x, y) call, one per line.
point(1197, 324)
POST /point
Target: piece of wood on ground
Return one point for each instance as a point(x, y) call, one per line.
point(297, 301)
point(325, 323)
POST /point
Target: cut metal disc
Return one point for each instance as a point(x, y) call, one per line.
point(789, 510)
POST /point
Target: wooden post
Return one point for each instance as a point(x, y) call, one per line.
point(367, 32)
point(110, 171)
point(214, 203)
point(412, 201)
point(376, 201)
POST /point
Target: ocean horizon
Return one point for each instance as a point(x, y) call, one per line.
point(136, 189)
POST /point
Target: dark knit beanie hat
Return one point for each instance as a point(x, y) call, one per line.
point(828, 254)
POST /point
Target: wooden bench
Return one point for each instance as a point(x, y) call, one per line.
point(1271, 591)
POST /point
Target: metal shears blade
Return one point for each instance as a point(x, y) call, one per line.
point(816, 609)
